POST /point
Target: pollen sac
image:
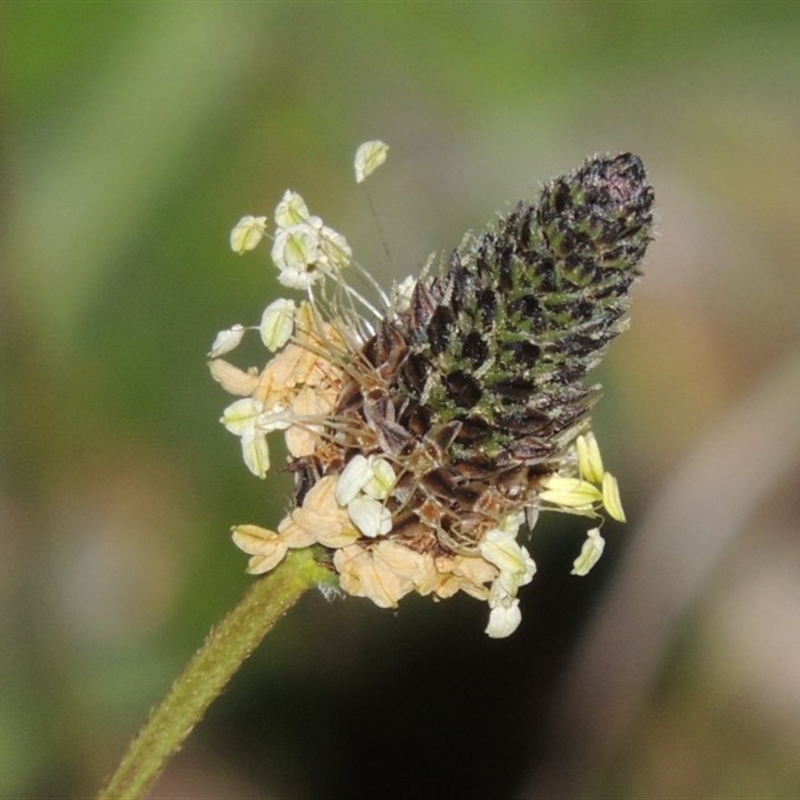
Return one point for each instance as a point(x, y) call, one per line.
point(247, 233)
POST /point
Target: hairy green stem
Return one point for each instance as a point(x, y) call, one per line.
point(208, 672)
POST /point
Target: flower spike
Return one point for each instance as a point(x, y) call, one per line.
point(426, 435)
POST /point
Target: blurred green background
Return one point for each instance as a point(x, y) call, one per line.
point(134, 135)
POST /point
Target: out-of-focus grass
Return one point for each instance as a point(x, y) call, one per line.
point(133, 137)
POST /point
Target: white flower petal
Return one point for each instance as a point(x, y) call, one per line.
point(247, 233)
point(353, 479)
point(226, 341)
point(277, 324)
point(369, 156)
point(590, 553)
point(369, 516)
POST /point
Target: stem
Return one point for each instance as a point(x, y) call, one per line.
point(225, 649)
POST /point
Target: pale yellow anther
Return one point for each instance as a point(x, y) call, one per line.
point(226, 341)
point(611, 498)
point(254, 539)
point(291, 210)
point(255, 452)
point(570, 492)
point(266, 548)
point(590, 461)
point(247, 233)
point(302, 439)
point(511, 523)
point(232, 379)
point(353, 479)
point(241, 415)
point(295, 248)
point(277, 324)
point(590, 552)
point(363, 573)
point(369, 516)
point(369, 156)
point(504, 618)
point(335, 252)
point(505, 553)
point(382, 479)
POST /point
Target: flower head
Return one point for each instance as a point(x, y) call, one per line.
point(427, 430)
